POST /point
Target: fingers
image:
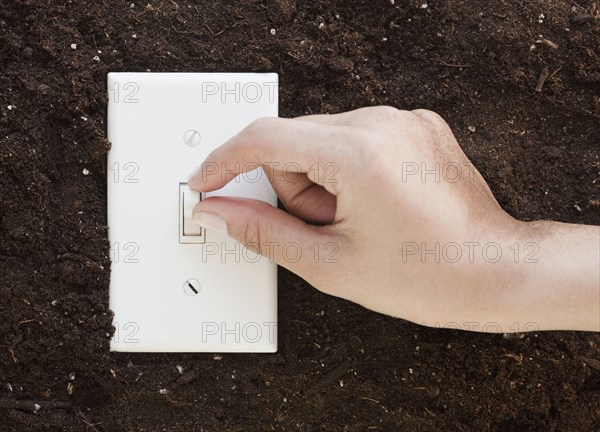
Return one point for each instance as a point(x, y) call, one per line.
point(264, 229)
point(277, 144)
point(305, 199)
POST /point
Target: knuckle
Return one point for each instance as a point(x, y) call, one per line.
point(258, 127)
point(430, 118)
point(250, 235)
point(384, 112)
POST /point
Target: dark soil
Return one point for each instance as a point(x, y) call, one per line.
point(339, 367)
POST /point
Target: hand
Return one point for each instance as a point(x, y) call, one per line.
point(388, 212)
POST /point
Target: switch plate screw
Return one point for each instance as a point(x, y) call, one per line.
point(191, 287)
point(192, 138)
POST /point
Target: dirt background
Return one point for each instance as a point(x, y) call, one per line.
point(339, 366)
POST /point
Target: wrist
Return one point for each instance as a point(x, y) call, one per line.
point(551, 279)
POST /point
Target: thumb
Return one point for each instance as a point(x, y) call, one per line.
point(267, 230)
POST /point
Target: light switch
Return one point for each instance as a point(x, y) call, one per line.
point(177, 287)
point(189, 231)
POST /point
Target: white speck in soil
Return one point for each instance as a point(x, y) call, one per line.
point(163, 391)
point(472, 128)
point(85, 171)
point(96, 58)
point(577, 208)
point(321, 26)
point(74, 46)
point(11, 107)
point(273, 32)
point(179, 369)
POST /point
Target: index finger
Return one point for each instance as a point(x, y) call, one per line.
point(277, 144)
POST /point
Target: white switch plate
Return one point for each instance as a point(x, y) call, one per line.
point(209, 294)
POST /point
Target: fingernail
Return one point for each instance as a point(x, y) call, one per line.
point(196, 173)
point(210, 221)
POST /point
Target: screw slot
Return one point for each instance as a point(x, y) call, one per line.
point(191, 287)
point(192, 138)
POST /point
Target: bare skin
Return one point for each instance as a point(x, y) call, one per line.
point(390, 213)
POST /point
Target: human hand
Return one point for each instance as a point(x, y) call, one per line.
point(387, 212)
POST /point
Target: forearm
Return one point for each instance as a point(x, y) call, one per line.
point(559, 288)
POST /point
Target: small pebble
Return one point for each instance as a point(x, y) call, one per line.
point(74, 46)
point(321, 26)
point(85, 171)
point(577, 207)
point(96, 58)
point(273, 32)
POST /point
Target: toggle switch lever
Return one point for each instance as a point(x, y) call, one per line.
point(189, 231)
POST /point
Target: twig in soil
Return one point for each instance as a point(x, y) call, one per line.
point(542, 79)
point(12, 353)
point(212, 32)
point(548, 42)
point(31, 405)
point(593, 363)
point(87, 421)
point(81, 259)
point(455, 65)
point(25, 322)
point(11, 150)
point(332, 376)
point(554, 73)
